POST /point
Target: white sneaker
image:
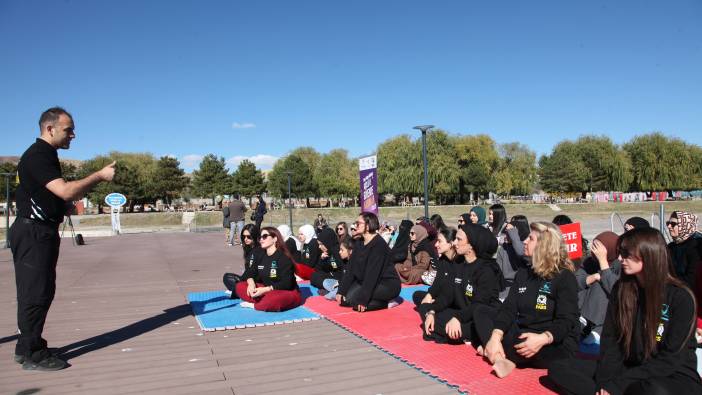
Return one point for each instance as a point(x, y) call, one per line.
point(247, 305)
point(393, 303)
point(228, 292)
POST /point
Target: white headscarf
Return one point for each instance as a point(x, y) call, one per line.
point(308, 231)
point(287, 233)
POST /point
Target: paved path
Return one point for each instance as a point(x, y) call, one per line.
point(121, 318)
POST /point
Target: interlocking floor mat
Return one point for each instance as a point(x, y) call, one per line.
point(214, 310)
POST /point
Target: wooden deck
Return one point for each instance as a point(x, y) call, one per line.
point(122, 321)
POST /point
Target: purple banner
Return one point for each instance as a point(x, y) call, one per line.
point(369, 184)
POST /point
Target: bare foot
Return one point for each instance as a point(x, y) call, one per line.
point(480, 351)
point(503, 367)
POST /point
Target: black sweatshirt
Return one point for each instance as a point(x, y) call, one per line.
point(471, 284)
point(309, 253)
point(369, 265)
point(332, 264)
point(675, 354)
point(538, 305)
point(686, 257)
point(292, 248)
point(444, 276)
point(251, 256)
point(276, 270)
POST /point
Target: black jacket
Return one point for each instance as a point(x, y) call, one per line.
point(369, 265)
point(276, 270)
point(333, 262)
point(309, 253)
point(675, 354)
point(538, 305)
point(686, 258)
point(399, 250)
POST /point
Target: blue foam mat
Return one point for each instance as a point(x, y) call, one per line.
point(214, 310)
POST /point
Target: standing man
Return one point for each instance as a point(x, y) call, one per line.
point(260, 211)
point(226, 221)
point(42, 196)
point(236, 217)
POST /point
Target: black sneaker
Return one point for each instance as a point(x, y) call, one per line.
point(19, 358)
point(45, 365)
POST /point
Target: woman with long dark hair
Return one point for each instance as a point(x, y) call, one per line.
point(648, 345)
point(497, 219)
point(252, 250)
point(370, 281)
point(538, 322)
point(443, 267)
point(420, 254)
point(269, 284)
point(342, 230)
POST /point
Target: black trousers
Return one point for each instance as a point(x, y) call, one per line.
point(230, 280)
point(383, 293)
point(477, 331)
point(577, 376)
point(542, 360)
point(35, 251)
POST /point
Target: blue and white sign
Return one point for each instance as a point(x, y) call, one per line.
point(115, 200)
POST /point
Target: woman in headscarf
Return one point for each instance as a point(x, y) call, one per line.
point(399, 250)
point(419, 256)
point(291, 242)
point(330, 264)
point(635, 223)
point(472, 290)
point(596, 278)
point(510, 253)
point(309, 252)
point(252, 250)
point(477, 216)
point(684, 249)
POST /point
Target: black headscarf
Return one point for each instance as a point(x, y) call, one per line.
point(327, 237)
point(637, 222)
point(399, 250)
point(485, 246)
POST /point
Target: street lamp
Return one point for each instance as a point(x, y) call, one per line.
point(289, 173)
point(423, 129)
point(7, 207)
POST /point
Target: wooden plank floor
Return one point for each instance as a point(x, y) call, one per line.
point(121, 319)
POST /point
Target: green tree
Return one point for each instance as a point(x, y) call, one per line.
point(169, 180)
point(69, 171)
point(518, 170)
point(661, 163)
point(211, 178)
point(337, 175)
point(399, 167)
point(247, 180)
point(97, 195)
point(478, 161)
point(444, 175)
point(311, 157)
point(302, 184)
point(8, 167)
point(563, 170)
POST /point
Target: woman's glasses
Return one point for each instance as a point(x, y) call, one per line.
point(248, 237)
point(672, 224)
point(412, 233)
point(339, 229)
point(461, 221)
point(264, 236)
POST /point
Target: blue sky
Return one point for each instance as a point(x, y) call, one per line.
point(256, 79)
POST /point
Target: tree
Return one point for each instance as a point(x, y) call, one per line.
point(69, 171)
point(311, 157)
point(608, 166)
point(337, 175)
point(444, 176)
point(247, 180)
point(518, 171)
point(477, 160)
point(169, 179)
point(563, 171)
point(302, 185)
point(662, 163)
point(97, 195)
point(211, 178)
point(8, 167)
point(399, 167)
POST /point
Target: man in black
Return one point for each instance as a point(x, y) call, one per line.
point(42, 196)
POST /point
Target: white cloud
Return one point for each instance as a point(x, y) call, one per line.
point(190, 161)
point(245, 125)
point(262, 161)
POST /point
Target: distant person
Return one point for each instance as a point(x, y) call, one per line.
point(309, 252)
point(464, 219)
point(497, 220)
point(420, 254)
point(477, 216)
point(226, 222)
point(260, 212)
point(269, 284)
point(236, 219)
point(342, 231)
point(437, 222)
point(636, 223)
point(319, 223)
point(42, 195)
point(370, 281)
point(648, 345)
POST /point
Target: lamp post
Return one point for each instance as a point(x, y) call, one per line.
point(423, 129)
point(7, 207)
point(289, 173)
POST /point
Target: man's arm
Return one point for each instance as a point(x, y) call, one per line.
point(74, 190)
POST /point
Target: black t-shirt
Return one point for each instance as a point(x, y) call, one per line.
point(38, 166)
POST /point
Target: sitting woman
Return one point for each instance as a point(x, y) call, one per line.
point(331, 285)
point(472, 289)
point(309, 252)
point(330, 265)
point(342, 231)
point(596, 278)
point(420, 254)
point(398, 252)
point(269, 284)
point(252, 250)
point(538, 322)
point(291, 242)
point(497, 220)
point(510, 253)
point(477, 216)
point(370, 281)
point(648, 345)
point(443, 268)
point(684, 249)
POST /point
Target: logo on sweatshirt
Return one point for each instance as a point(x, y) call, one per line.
point(458, 280)
point(541, 302)
point(333, 263)
point(665, 317)
point(521, 290)
point(469, 290)
point(545, 288)
point(274, 269)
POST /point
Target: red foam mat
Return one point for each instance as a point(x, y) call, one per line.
point(397, 331)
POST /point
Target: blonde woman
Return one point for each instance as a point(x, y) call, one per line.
point(538, 322)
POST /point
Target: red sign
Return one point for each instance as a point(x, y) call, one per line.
point(573, 238)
